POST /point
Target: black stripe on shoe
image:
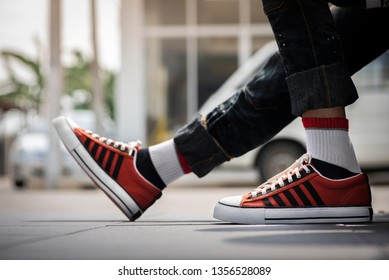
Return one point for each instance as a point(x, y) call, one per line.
point(313, 193)
point(102, 156)
point(109, 161)
point(267, 202)
point(94, 150)
point(290, 197)
point(118, 165)
point(279, 200)
point(87, 143)
point(302, 196)
point(99, 182)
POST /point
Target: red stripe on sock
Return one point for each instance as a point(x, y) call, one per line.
point(184, 163)
point(325, 123)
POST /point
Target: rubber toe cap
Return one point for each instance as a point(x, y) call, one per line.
point(231, 200)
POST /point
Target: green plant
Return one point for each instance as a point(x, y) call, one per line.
point(77, 83)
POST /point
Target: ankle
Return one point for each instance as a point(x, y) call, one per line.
point(146, 168)
point(161, 164)
point(330, 170)
point(328, 140)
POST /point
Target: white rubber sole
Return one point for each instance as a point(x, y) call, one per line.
point(111, 188)
point(309, 215)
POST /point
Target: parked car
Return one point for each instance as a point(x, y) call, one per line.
point(30, 149)
point(369, 125)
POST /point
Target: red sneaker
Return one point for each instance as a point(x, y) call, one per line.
point(111, 166)
point(301, 195)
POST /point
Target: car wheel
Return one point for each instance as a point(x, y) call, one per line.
point(275, 157)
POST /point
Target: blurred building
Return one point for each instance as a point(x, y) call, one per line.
point(175, 54)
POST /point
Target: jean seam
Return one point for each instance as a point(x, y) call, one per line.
point(268, 11)
point(327, 87)
point(307, 26)
point(224, 152)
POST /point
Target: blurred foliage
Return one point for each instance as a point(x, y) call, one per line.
point(77, 83)
point(27, 95)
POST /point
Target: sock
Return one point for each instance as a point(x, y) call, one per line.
point(331, 171)
point(161, 164)
point(146, 168)
point(328, 140)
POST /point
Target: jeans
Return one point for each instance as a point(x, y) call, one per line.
point(262, 108)
point(312, 54)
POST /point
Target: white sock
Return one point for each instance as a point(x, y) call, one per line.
point(166, 162)
point(328, 140)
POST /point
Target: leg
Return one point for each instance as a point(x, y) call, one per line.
point(205, 143)
point(312, 54)
point(120, 169)
point(251, 117)
point(308, 59)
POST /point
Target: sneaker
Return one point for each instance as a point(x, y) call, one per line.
point(111, 166)
point(301, 194)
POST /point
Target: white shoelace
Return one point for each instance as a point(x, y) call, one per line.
point(279, 179)
point(130, 147)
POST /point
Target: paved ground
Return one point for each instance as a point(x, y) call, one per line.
point(84, 224)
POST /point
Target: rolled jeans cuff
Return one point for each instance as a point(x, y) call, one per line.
point(199, 148)
point(321, 87)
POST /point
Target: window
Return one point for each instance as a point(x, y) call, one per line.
point(218, 11)
point(165, 86)
point(165, 12)
point(217, 60)
point(193, 46)
point(256, 10)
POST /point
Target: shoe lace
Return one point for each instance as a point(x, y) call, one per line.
point(279, 179)
point(130, 148)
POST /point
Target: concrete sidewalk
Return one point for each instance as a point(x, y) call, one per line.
point(85, 224)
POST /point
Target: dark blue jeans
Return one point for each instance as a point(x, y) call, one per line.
point(312, 54)
point(262, 108)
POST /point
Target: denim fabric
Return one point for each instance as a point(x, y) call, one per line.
point(252, 116)
point(364, 35)
point(312, 54)
point(258, 111)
